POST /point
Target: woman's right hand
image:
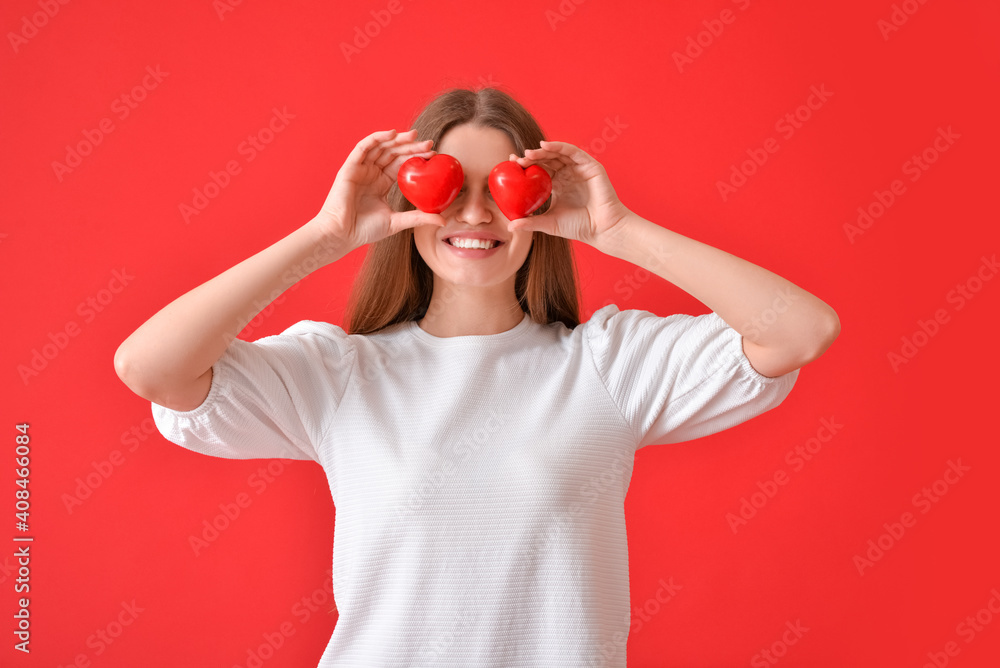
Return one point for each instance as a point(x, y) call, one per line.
point(356, 211)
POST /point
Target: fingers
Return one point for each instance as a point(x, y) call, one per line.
point(566, 153)
point(553, 156)
point(556, 160)
point(565, 148)
point(405, 152)
point(375, 147)
point(379, 150)
point(363, 147)
point(547, 164)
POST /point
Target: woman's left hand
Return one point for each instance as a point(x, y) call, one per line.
point(584, 205)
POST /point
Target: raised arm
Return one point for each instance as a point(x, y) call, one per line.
point(168, 359)
point(783, 326)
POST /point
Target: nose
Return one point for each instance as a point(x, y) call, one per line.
point(473, 207)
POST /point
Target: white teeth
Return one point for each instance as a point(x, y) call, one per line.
point(463, 242)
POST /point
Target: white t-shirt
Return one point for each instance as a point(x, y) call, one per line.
point(479, 481)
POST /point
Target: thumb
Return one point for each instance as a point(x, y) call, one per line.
point(402, 220)
point(540, 223)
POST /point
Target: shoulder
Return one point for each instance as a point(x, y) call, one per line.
point(315, 328)
point(611, 320)
point(615, 334)
point(312, 331)
point(326, 337)
point(306, 339)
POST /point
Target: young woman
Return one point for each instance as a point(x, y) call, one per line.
point(477, 438)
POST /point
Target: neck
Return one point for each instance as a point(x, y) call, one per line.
point(463, 310)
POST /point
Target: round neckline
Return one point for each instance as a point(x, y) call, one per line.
point(513, 332)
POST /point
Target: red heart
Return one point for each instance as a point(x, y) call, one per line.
point(518, 191)
point(431, 184)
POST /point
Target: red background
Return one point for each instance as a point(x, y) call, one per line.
point(679, 132)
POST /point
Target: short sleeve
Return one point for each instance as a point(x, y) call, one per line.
point(679, 377)
point(270, 398)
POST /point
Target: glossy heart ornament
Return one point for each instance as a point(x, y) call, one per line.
point(519, 191)
point(431, 184)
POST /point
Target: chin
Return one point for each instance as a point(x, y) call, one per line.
point(472, 278)
point(480, 273)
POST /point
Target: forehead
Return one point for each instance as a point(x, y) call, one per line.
point(478, 149)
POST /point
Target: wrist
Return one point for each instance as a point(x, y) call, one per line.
point(640, 242)
point(322, 246)
point(617, 239)
point(324, 231)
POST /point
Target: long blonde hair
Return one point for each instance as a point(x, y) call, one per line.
point(394, 283)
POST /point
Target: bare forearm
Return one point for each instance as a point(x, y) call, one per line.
point(178, 345)
point(765, 308)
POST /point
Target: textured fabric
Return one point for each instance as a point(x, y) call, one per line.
point(479, 481)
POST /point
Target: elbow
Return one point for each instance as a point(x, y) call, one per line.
point(127, 372)
point(833, 329)
point(152, 383)
point(828, 329)
point(124, 367)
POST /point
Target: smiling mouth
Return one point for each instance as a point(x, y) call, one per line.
point(479, 244)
